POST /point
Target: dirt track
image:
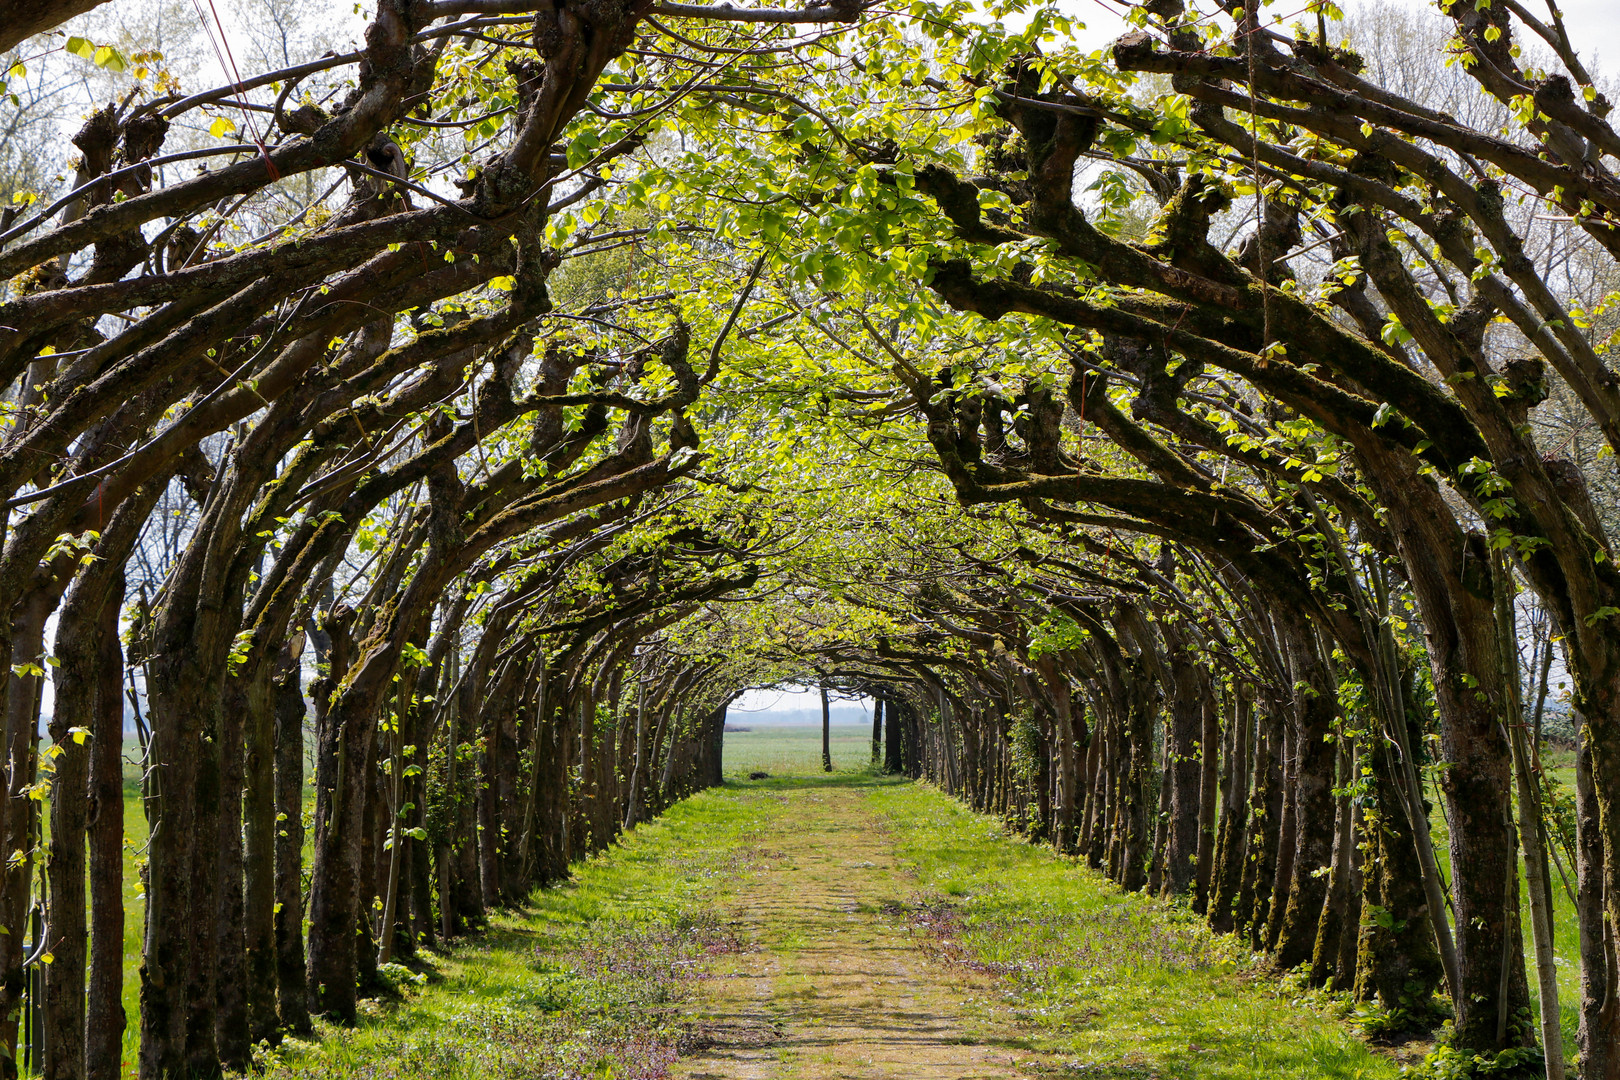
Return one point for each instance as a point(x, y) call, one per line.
point(835, 988)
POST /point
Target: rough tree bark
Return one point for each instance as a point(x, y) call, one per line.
point(1234, 815)
point(291, 1001)
point(1313, 810)
point(104, 1008)
point(1209, 800)
point(1184, 776)
point(1600, 979)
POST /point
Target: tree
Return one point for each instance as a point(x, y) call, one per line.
point(548, 375)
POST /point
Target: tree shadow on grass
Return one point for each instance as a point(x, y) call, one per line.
point(857, 779)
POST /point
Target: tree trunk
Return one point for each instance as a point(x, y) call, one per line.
point(231, 1033)
point(372, 858)
point(259, 849)
point(334, 884)
point(488, 804)
point(1134, 805)
point(64, 1014)
point(1599, 1027)
point(393, 812)
point(1283, 869)
point(1065, 814)
point(1334, 924)
point(1161, 818)
point(1184, 774)
point(1234, 817)
point(1313, 810)
point(1541, 916)
point(1265, 832)
point(558, 748)
point(1108, 844)
point(202, 987)
point(1349, 945)
point(588, 739)
point(826, 733)
point(877, 731)
point(603, 821)
point(1450, 573)
point(21, 769)
point(1091, 841)
point(529, 840)
point(173, 763)
point(1485, 861)
point(444, 850)
point(893, 762)
point(466, 896)
point(72, 725)
point(104, 1010)
point(424, 928)
point(1398, 963)
point(334, 903)
point(1209, 796)
point(292, 1002)
point(911, 748)
point(638, 765)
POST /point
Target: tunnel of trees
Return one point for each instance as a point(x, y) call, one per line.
point(1201, 448)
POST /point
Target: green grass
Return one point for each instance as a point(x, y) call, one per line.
point(1566, 941)
point(497, 967)
point(1125, 985)
point(1121, 985)
point(793, 750)
point(135, 837)
point(567, 981)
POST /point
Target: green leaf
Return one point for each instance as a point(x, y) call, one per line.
point(1600, 614)
point(1394, 333)
point(111, 59)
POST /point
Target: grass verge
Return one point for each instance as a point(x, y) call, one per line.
point(602, 976)
point(589, 980)
point(1120, 985)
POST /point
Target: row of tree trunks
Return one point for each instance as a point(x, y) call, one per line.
point(1294, 811)
point(82, 1011)
point(1283, 863)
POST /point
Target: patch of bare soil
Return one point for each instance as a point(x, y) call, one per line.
point(836, 989)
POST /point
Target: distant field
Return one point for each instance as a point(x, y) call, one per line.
point(784, 750)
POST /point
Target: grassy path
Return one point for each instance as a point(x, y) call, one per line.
point(836, 989)
point(900, 935)
point(833, 927)
point(1029, 967)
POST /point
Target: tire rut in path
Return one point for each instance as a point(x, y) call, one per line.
point(835, 988)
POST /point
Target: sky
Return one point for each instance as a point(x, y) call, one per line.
point(1594, 25)
point(764, 703)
